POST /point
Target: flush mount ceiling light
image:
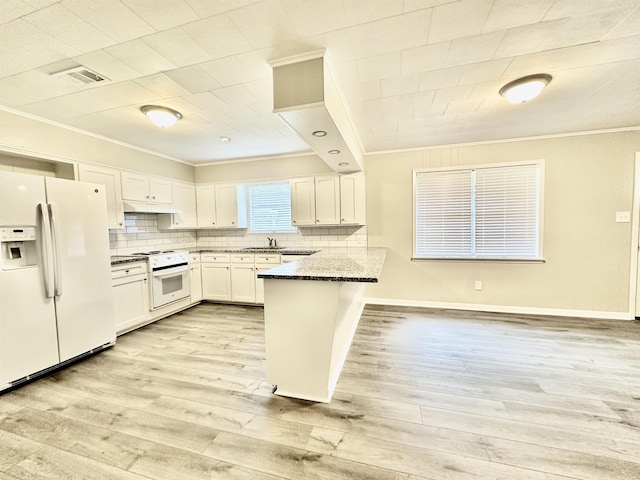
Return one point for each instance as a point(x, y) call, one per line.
point(319, 133)
point(224, 139)
point(343, 164)
point(161, 116)
point(525, 88)
point(334, 152)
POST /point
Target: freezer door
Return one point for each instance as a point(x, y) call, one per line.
point(84, 301)
point(28, 336)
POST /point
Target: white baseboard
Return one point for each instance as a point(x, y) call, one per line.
point(557, 312)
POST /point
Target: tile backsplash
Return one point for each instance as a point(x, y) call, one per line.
point(141, 234)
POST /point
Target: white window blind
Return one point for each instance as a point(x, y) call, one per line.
point(269, 207)
point(487, 213)
point(443, 214)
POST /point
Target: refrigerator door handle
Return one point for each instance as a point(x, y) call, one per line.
point(47, 253)
point(57, 278)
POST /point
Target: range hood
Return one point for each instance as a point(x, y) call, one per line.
point(141, 207)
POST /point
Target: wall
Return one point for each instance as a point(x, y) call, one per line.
point(39, 139)
point(587, 255)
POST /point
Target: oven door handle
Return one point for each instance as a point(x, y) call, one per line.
point(170, 271)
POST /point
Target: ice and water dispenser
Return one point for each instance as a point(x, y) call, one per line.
point(18, 247)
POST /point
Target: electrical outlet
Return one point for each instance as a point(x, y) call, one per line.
point(478, 285)
point(623, 217)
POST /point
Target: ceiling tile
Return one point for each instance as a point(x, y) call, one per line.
point(193, 78)
point(106, 64)
point(362, 91)
point(162, 85)
point(484, 71)
point(528, 39)
point(462, 106)
point(177, 47)
point(234, 95)
point(312, 21)
point(112, 18)
point(361, 11)
point(141, 57)
point(379, 37)
point(218, 37)
point(474, 49)
point(67, 27)
point(453, 94)
point(573, 8)
point(32, 86)
point(444, 78)
point(411, 5)
point(507, 14)
point(13, 9)
point(382, 66)
point(400, 85)
point(423, 59)
point(163, 14)
point(209, 8)
point(237, 69)
point(629, 26)
point(458, 19)
point(264, 23)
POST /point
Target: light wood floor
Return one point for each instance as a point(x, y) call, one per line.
point(424, 394)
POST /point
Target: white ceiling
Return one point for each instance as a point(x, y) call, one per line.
point(414, 73)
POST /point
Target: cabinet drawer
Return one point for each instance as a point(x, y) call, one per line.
point(215, 257)
point(194, 258)
point(268, 258)
point(242, 258)
point(128, 269)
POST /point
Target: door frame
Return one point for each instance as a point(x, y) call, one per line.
point(634, 283)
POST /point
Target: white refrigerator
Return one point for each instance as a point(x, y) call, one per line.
point(56, 304)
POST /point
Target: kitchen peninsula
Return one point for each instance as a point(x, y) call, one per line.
point(311, 310)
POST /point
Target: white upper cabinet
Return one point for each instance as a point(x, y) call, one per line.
point(352, 199)
point(138, 187)
point(327, 200)
point(110, 178)
point(184, 199)
point(303, 202)
point(221, 205)
point(206, 206)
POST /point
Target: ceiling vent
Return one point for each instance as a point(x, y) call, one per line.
point(81, 75)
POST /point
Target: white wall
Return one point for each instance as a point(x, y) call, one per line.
point(39, 139)
point(588, 179)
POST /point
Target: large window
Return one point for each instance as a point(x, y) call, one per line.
point(491, 212)
point(269, 207)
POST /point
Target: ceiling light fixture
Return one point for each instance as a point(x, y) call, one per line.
point(224, 139)
point(319, 133)
point(164, 117)
point(525, 88)
point(343, 164)
point(333, 152)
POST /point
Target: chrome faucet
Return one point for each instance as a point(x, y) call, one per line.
point(272, 242)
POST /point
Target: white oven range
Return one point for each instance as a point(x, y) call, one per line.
point(169, 276)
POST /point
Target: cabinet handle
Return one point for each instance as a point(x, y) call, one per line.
point(154, 197)
point(227, 268)
point(342, 219)
point(213, 223)
point(120, 223)
point(147, 196)
point(126, 271)
point(233, 223)
point(293, 221)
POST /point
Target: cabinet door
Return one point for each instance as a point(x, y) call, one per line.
point(196, 282)
point(243, 283)
point(130, 302)
point(226, 205)
point(111, 180)
point(160, 190)
point(216, 281)
point(303, 203)
point(352, 199)
point(206, 206)
point(327, 200)
point(135, 187)
point(184, 198)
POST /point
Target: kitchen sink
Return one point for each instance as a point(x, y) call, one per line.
point(261, 249)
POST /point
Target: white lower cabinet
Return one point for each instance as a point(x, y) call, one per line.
point(216, 276)
point(130, 288)
point(233, 277)
point(195, 277)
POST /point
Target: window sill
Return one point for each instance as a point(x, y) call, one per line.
point(461, 259)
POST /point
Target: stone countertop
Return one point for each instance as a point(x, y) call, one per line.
point(333, 265)
point(281, 251)
point(119, 259)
